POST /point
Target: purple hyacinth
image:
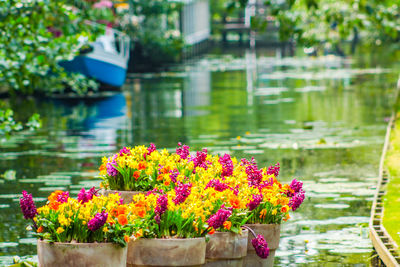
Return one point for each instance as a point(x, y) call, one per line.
point(125, 151)
point(255, 202)
point(27, 205)
point(182, 151)
point(217, 220)
point(261, 246)
point(173, 175)
point(227, 165)
point(63, 197)
point(296, 186)
point(162, 204)
point(274, 170)
point(217, 185)
point(254, 175)
point(297, 199)
point(84, 196)
point(182, 191)
point(98, 221)
point(111, 170)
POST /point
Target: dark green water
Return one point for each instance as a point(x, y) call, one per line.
point(323, 119)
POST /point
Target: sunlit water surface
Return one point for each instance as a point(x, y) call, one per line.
point(323, 119)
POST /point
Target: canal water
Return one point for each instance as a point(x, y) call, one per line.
point(322, 118)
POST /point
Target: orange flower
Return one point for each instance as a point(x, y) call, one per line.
point(102, 167)
point(166, 183)
point(160, 177)
point(285, 209)
point(263, 213)
point(227, 225)
point(40, 229)
point(122, 219)
point(122, 210)
point(287, 217)
point(54, 196)
point(139, 233)
point(212, 231)
point(140, 211)
point(136, 174)
point(142, 165)
point(235, 202)
point(54, 205)
point(126, 238)
point(114, 212)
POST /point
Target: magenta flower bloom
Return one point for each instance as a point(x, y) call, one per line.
point(162, 204)
point(274, 170)
point(84, 196)
point(261, 246)
point(296, 186)
point(227, 165)
point(200, 159)
point(125, 151)
point(111, 170)
point(297, 200)
point(182, 191)
point(103, 3)
point(254, 202)
point(173, 175)
point(254, 175)
point(182, 151)
point(217, 185)
point(27, 205)
point(217, 220)
point(155, 191)
point(98, 221)
point(63, 197)
point(150, 150)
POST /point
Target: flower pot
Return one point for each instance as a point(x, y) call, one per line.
point(166, 252)
point(226, 249)
point(125, 195)
point(80, 254)
point(271, 233)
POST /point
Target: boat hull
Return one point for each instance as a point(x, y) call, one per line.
point(104, 72)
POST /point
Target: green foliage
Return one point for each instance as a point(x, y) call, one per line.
point(154, 26)
point(36, 35)
point(311, 22)
point(8, 124)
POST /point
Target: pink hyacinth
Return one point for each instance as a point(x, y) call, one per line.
point(296, 186)
point(150, 150)
point(98, 221)
point(182, 191)
point(254, 175)
point(200, 159)
point(261, 246)
point(297, 200)
point(227, 165)
point(84, 196)
point(27, 205)
point(63, 197)
point(217, 185)
point(274, 170)
point(125, 151)
point(256, 200)
point(217, 220)
point(162, 204)
point(173, 175)
point(182, 151)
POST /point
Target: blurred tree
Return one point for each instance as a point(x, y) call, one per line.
point(37, 34)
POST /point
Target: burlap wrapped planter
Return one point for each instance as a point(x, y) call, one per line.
point(125, 195)
point(226, 249)
point(166, 252)
point(272, 233)
point(81, 254)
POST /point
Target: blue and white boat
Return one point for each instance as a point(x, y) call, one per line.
point(108, 60)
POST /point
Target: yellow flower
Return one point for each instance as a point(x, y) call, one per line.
point(274, 211)
point(60, 230)
point(105, 229)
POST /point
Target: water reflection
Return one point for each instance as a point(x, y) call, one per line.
point(322, 118)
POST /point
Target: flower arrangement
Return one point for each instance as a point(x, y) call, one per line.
point(89, 218)
point(191, 195)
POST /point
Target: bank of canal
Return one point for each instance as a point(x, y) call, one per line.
point(322, 118)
